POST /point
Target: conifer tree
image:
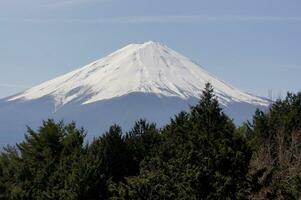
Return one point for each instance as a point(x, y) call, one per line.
point(200, 157)
point(141, 141)
point(277, 154)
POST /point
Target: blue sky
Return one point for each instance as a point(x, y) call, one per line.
point(253, 45)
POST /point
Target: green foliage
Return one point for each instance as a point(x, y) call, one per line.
point(142, 141)
point(44, 159)
point(276, 136)
point(200, 154)
point(200, 157)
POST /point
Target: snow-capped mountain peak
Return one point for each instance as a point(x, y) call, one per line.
point(150, 67)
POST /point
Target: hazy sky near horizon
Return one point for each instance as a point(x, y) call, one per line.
point(253, 45)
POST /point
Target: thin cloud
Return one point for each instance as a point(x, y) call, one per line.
point(34, 4)
point(62, 3)
point(166, 19)
point(193, 19)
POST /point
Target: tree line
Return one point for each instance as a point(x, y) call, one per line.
point(199, 154)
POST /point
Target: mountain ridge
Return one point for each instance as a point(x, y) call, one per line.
point(149, 67)
point(149, 81)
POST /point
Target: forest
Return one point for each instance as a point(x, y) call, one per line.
point(199, 154)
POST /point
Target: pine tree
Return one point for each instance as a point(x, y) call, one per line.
point(201, 157)
point(38, 168)
point(141, 142)
point(277, 135)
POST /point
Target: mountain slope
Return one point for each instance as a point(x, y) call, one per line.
point(148, 68)
point(146, 80)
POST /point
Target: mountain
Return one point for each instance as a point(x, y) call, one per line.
point(146, 80)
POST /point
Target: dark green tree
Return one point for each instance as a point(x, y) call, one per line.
point(201, 157)
point(276, 136)
point(141, 142)
point(200, 154)
point(38, 167)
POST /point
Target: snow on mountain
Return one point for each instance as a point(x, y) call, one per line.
point(149, 81)
point(148, 68)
